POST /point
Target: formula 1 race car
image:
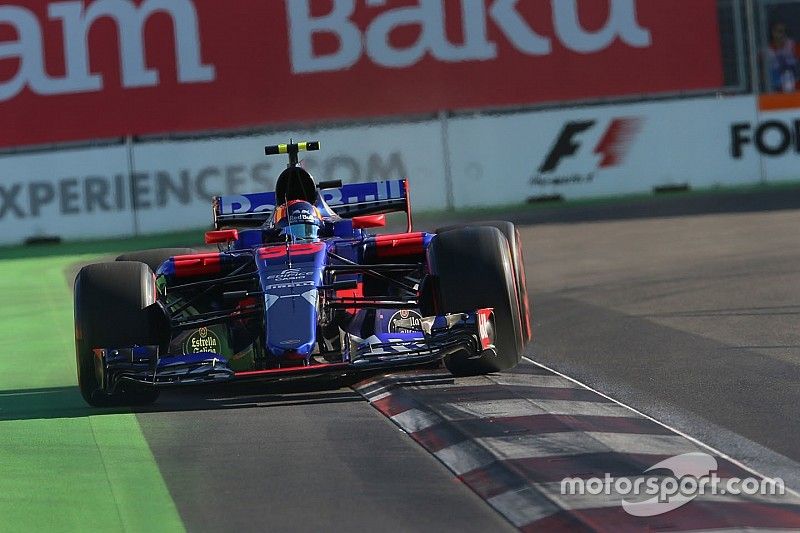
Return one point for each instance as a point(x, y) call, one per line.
point(298, 288)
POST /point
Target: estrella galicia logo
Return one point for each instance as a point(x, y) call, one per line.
point(405, 321)
point(613, 147)
point(202, 340)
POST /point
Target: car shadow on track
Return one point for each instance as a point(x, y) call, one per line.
point(66, 402)
point(54, 402)
point(251, 395)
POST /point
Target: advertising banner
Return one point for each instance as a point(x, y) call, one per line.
point(600, 151)
point(79, 194)
point(94, 69)
point(774, 136)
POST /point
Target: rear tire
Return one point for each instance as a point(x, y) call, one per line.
point(110, 311)
point(472, 268)
point(154, 258)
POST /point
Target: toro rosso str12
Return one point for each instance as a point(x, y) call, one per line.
point(299, 287)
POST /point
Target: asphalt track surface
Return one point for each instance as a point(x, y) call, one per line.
point(691, 318)
point(314, 460)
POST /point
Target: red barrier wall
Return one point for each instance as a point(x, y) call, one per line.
point(79, 70)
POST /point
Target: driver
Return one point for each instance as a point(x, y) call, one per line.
point(298, 220)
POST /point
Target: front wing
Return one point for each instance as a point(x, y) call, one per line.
point(469, 333)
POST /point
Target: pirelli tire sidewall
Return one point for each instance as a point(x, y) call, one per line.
point(111, 301)
point(155, 257)
point(473, 269)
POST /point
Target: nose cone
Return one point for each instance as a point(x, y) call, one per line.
point(290, 277)
point(291, 320)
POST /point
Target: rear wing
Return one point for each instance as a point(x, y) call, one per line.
point(346, 201)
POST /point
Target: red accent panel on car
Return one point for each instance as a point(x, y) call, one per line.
point(358, 292)
point(222, 235)
point(369, 221)
point(484, 316)
point(197, 265)
point(399, 245)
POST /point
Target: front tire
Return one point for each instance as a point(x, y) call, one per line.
point(111, 301)
point(511, 234)
point(473, 269)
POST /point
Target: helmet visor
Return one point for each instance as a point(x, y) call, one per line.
point(302, 231)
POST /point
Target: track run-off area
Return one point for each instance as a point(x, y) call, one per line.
point(654, 336)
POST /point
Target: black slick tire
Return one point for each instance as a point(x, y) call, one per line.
point(111, 301)
point(472, 269)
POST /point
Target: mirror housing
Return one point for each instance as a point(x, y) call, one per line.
point(222, 236)
point(369, 221)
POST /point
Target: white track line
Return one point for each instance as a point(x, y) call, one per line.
point(662, 424)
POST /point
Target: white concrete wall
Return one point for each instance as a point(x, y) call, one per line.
point(494, 160)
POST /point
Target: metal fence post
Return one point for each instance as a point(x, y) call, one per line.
point(755, 75)
point(132, 195)
point(447, 163)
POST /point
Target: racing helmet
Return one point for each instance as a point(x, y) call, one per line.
point(299, 220)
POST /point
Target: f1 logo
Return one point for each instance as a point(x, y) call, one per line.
point(565, 146)
point(613, 145)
